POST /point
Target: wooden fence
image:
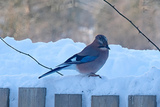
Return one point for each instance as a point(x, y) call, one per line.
point(35, 97)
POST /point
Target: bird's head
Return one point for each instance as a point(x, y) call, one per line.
point(102, 42)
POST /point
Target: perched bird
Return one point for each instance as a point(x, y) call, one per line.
point(89, 60)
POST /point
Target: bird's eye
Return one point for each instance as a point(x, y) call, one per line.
point(100, 41)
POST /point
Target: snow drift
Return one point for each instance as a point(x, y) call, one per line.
point(126, 72)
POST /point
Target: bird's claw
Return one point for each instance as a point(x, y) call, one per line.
point(94, 75)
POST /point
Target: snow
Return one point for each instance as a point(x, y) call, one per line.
point(126, 72)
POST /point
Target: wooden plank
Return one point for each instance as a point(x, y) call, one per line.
point(105, 101)
point(142, 101)
point(31, 97)
point(4, 97)
point(68, 100)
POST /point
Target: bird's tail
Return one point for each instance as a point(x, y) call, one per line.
point(52, 71)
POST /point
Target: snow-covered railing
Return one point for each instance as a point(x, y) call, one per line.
point(36, 97)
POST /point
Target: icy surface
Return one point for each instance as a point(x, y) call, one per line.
point(126, 72)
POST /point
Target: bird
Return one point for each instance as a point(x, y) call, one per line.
point(89, 61)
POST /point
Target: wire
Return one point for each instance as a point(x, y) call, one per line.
point(28, 56)
point(133, 25)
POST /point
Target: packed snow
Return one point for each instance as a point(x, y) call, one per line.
point(126, 72)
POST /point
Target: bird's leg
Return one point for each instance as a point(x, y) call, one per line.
point(94, 75)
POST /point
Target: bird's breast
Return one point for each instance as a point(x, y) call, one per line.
point(94, 66)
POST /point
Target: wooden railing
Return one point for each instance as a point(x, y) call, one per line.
point(36, 97)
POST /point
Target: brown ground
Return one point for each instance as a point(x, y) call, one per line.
point(50, 20)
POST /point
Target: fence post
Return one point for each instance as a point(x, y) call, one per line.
point(105, 101)
point(4, 97)
point(142, 101)
point(68, 100)
point(31, 97)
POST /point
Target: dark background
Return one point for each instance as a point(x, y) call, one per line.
point(81, 20)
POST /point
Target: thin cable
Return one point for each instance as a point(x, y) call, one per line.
point(28, 55)
point(133, 25)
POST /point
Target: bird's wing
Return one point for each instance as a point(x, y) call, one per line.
point(77, 59)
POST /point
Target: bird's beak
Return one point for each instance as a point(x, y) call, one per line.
point(104, 47)
point(108, 47)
